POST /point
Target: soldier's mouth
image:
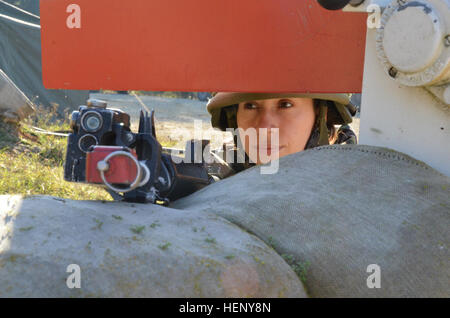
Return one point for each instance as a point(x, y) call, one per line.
point(268, 149)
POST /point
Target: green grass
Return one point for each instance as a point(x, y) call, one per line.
point(32, 163)
point(155, 224)
point(210, 240)
point(98, 224)
point(25, 228)
point(300, 268)
point(164, 246)
point(137, 229)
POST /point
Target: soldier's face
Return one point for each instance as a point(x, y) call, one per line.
point(292, 117)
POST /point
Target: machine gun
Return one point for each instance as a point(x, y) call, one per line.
point(132, 166)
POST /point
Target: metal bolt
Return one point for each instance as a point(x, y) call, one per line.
point(447, 40)
point(129, 137)
point(102, 166)
point(393, 72)
point(355, 3)
point(96, 103)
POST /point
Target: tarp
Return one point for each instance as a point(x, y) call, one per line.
point(14, 105)
point(31, 6)
point(20, 59)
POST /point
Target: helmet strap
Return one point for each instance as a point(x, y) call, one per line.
point(323, 137)
point(319, 134)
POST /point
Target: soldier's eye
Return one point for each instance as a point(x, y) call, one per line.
point(249, 106)
point(286, 104)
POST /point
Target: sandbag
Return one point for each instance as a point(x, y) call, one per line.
point(131, 250)
point(345, 210)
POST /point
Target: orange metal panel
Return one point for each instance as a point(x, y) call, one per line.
point(202, 45)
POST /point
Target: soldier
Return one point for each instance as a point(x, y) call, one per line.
point(304, 121)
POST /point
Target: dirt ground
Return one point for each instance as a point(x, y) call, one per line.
point(174, 117)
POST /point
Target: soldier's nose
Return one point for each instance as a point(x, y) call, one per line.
point(267, 119)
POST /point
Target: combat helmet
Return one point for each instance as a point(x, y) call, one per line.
point(333, 109)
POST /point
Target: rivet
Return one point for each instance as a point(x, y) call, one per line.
point(447, 40)
point(393, 72)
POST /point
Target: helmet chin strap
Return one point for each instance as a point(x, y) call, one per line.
point(319, 134)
